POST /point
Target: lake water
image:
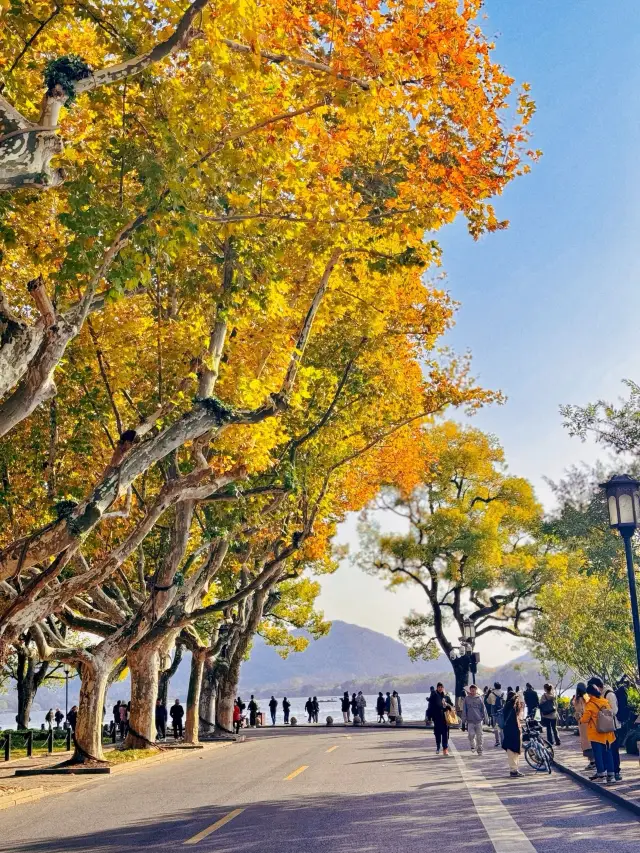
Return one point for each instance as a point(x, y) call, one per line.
point(414, 706)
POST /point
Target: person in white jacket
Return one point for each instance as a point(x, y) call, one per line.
point(608, 693)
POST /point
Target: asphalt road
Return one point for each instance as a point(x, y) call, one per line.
point(361, 791)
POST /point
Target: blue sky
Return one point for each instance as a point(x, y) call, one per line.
point(549, 307)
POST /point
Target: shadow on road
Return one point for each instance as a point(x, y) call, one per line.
point(312, 824)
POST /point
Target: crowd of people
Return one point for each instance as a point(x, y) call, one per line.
point(599, 710)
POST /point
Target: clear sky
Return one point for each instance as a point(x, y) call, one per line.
point(550, 307)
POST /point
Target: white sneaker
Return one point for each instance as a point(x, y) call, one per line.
point(473, 749)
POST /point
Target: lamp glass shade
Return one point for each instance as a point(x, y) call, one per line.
point(625, 508)
point(613, 511)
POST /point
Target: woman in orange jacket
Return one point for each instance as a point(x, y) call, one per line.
point(600, 741)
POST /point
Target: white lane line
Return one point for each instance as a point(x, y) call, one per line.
point(504, 833)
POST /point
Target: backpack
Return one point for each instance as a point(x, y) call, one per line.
point(500, 718)
point(605, 722)
point(547, 707)
point(498, 701)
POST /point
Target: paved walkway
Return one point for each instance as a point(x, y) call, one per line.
point(325, 791)
point(570, 754)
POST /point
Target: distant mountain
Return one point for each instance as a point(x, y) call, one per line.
point(348, 653)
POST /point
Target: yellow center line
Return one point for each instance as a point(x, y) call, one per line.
point(214, 826)
point(296, 772)
point(331, 748)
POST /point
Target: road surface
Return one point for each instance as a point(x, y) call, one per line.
point(325, 791)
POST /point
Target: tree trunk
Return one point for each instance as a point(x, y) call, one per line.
point(193, 696)
point(208, 691)
point(88, 734)
point(227, 690)
point(25, 688)
point(167, 674)
point(143, 666)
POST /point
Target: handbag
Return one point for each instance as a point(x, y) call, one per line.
point(450, 717)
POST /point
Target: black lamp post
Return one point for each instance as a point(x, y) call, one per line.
point(66, 693)
point(623, 502)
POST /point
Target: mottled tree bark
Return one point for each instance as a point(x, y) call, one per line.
point(193, 696)
point(143, 666)
point(94, 676)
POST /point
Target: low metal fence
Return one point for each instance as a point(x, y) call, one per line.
point(32, 741)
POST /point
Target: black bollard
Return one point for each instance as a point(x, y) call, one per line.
point(50, 741)
point(29, 743)
point(69, 739)
point(7, 746)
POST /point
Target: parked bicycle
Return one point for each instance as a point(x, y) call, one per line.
point(538, 752)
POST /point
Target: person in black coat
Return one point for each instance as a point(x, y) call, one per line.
point(512, 732)
point(439, 703)
point(253, 711)
point(345, 705)
point(177, 713)
point(72, 717)
point(286, 708)
point(161, 720)
point(380, 707)
point(532, 700)
point(308, 707)
point(273, 707)
point(354, 705)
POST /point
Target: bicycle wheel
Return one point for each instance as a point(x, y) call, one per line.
point(549, 747)
point(534, 757)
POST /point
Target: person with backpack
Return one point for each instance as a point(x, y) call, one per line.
point(610, 695)
point(531, 700)
point(474, 715)
point(549, 713)
point(316, 709)
point(345, 704)
point(495, 702)
point(601, 732)
point(286, 709)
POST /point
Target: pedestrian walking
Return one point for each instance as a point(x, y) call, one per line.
point(549, 713)
point(237, 717)
point(286, 709)
point(474, 715)
point(394, 708)
point(362, 704)
point(607, 692)
point(273, 707)
point(161, 720)
point(512, 732)
point(177, 713)
point(601, 732)
point(253, 711)
point(579, 704)
point(345, 704)
point(72, 718)
point(242, 705)
point(308, 707)
point(380, 707)
point(124, 721)
point(495, 701)
point(116, 714)
point(316, 709)
point(531, 700)
point(48, 718)
point(439, 703)
point(58, 717)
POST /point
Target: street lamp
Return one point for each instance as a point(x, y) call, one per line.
point(623, 502)
point(66, 693)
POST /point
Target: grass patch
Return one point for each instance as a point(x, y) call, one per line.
point(124, 756)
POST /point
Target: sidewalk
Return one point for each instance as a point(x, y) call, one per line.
point(569, 759)
point(16, 790)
